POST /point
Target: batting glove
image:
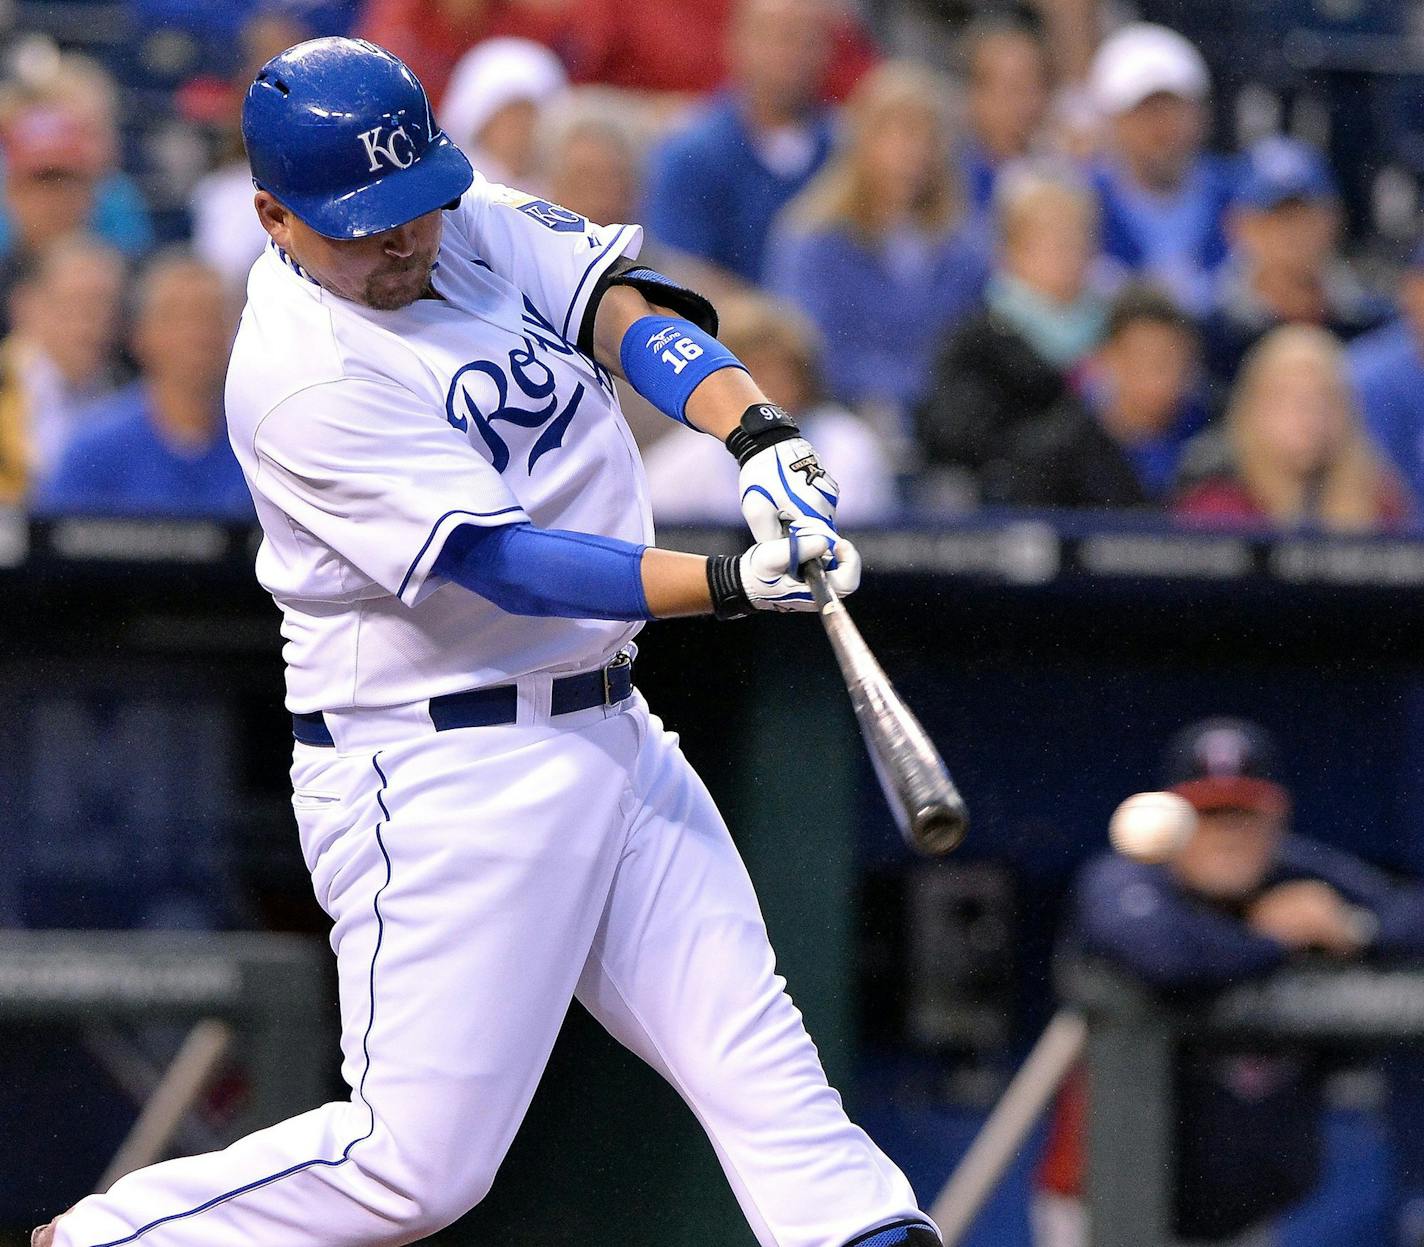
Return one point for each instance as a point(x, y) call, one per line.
point(765, 578)
point(781, 474)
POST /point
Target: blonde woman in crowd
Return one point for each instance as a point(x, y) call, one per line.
point(1014, 359)
point(876, 249)
point(61, 356)
point(692, 478)
point(1292, 450)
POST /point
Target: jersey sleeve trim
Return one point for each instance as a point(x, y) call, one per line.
point(410, 591)
point(627, 241)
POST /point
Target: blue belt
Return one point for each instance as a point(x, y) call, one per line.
point(491, 707)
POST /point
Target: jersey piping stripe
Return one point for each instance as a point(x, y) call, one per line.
point(613, 244)
point(365, 1048)
point(434, 531)
point(293, 265)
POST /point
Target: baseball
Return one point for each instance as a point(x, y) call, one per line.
point(1151, 826)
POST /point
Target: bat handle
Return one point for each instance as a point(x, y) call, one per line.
point(827, 599)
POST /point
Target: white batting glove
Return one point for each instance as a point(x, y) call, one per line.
point(780, 473)
point(766, 577)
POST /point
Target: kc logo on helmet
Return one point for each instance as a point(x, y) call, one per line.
point(376, 151)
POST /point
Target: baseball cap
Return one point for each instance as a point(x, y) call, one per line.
point(46, 139)
point(1142, 60)
point(495, 73)
point(1281, 170)
point(1224, 763)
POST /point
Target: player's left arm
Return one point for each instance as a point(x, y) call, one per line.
point(661, 338)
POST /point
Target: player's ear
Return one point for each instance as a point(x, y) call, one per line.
point(276, 220)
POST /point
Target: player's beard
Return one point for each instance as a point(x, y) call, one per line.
point(390, 289)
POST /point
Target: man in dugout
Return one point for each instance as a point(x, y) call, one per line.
point(1241, 898)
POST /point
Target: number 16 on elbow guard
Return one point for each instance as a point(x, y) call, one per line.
point(927, 806)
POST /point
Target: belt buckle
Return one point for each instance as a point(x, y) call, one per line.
point(622, 659)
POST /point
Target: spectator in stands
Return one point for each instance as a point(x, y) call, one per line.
point(1009, 363)
point(645, 47)
point(1241, 899)
point(932, 31)
point(1164, 199)
point(593, 155)
point(1285, 266)
point(715, 185)
point(1117, 442)
point(693, 480)
point(494, 104)
point(1292, 449)
point(1008, 103)
point(77, 88)
point(1388, 369)
point(432, 35)
point(159, 448)
point(226, 231)
point(51, 174)
point(876, 249)
point(593, 159)
point(59, 358)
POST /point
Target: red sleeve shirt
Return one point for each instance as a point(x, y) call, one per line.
point(432, 44)
point(676, 45)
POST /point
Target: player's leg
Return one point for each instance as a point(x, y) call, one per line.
point(465, 878)
point(682, 973)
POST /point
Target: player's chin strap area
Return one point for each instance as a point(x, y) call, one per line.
point(901, 1234)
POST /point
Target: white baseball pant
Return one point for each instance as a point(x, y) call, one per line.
point(476, 880)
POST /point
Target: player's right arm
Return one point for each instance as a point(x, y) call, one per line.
point(400, 495)
point(535, 571)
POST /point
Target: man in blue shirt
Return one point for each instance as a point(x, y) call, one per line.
point(158, 447)
point(1008, 97)
point(1388, 368)
point(1164, 199)
point(714, 187)
point(1285, 265)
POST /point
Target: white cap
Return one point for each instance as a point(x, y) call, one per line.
point(1142, 60)
point(495, 73)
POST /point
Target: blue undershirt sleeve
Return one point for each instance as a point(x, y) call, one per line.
point(547, 571)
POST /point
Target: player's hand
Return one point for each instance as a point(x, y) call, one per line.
point(1308, 914)
point(786, 478)
point(770, 570)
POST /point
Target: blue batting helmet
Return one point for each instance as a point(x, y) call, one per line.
point(340, 132)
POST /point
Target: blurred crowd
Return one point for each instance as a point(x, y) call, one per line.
point(1052, 254)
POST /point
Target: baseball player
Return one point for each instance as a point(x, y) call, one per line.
point(457, 532)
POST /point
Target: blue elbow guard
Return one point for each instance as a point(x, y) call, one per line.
point(666, 358)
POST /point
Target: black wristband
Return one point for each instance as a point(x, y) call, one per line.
point(724, 580)
point(762, 425)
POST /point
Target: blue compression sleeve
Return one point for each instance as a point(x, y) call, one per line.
point(665, 358)
point(546, 571)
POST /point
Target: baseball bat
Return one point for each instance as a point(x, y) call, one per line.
point(927, 806)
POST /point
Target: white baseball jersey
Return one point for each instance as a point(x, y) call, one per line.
point(478, 879)
point(367, 436)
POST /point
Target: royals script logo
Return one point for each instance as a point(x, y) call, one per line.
point(520, 393)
